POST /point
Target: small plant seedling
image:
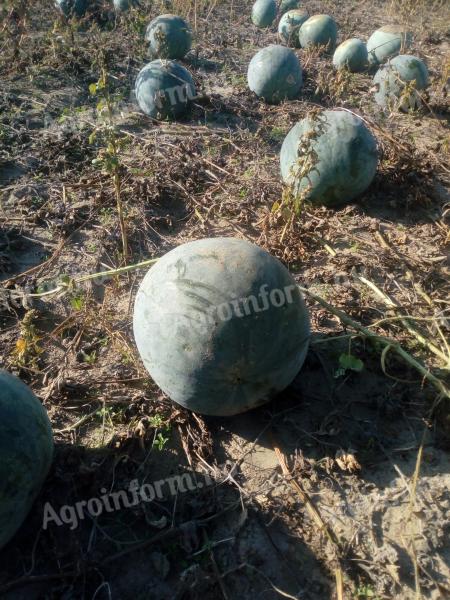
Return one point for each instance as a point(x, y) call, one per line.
point(157, 421)
point(27, 349)
point(160, 441)
point(90, 357)
point(366, 591)
point(348, 362)
point(77, 301)
point(277, 134)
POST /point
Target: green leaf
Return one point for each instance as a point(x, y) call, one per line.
point(77, 302)
point(93, 89)
point(101, 105)
point(92, 137)
point(350, 363)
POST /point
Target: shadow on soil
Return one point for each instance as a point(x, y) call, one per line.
point(99, 557)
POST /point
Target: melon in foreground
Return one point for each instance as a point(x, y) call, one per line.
point(164, 89)
point(398, 83)
point(351, 55)
point(289, 26)
point(220, 326)
point(26, 451)
point(169, 37)
point(72, 8)
point(275, 74)
point(318, 30)
point(386, 42)
point(329, 158)
point(264, 13)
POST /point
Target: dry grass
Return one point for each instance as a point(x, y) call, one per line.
point(419, 14)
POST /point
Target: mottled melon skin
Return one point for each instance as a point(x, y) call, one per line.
point(26, 451)
point(386, 42)
point(124, 5)
point(226, 367)
point(318, 30)
point(286, 5)
point(289, 26)
point(390, 82)
point(164, 89)
point(275, 74)
point(71, 8)
point(351, 55)
point(347, 157)
point(264, 13)
point(169, 36)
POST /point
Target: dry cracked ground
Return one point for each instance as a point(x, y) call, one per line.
point(340, 487)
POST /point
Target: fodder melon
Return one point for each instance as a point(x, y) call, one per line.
point(329, 157)
point(26, 451)
point(220, 326)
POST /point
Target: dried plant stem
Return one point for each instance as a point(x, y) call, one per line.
point(79, 423)
point(99, 275)
point(443, 390)
point(405, 321)
point(313, 512)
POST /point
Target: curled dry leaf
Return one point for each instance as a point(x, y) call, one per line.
point(347, 461)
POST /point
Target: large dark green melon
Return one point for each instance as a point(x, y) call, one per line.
point(275, 74)
point(169, 36)
point(26, 450)
point(398, 83)
point(220, 325)
point(164, 89)
point(329, 158)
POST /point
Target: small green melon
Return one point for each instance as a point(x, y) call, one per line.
point(318, 30)
point(289, 26)
point(26, 451)
point(124, 5)
point(164, 89)
point(264, 13)
point(170, 37)
point(72, 8)
point(287, 5)
point(275, 74)
point(386, 42)
point(351, 55)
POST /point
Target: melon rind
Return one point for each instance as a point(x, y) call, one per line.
point(211, 365)
point(26, 451)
